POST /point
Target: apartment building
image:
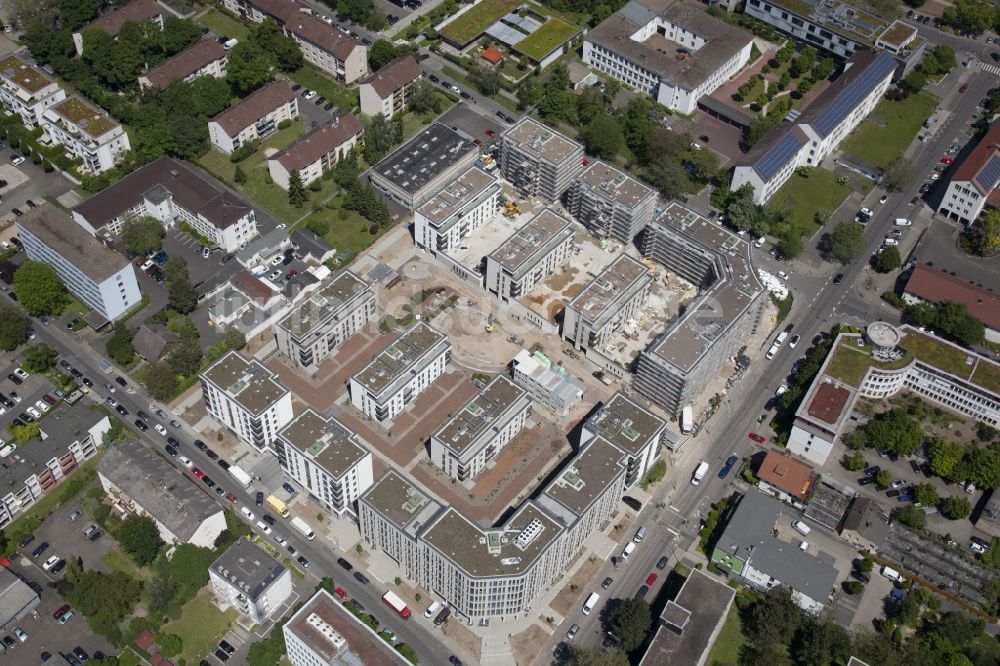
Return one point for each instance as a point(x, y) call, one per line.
point(317, 151)
point(552, 386)
point(206, 58)
point(387, 91)
point(112, 22)
point(936, 285)
point(394, 378)
point(633, 429)
point(255, 118)
point(972, 185)
point(172, 192)
point(327, 318)
point(539, 161)
point(457, 210)
point(819, 129)
point(86, 133)
point(530, 255)
point(480, 430)
point(609, 203)
point(325, 457)
point(598, 312)
point(245, 577)
point(247, 398)
point(27, 91)
point(95, 274)
point(697, 346)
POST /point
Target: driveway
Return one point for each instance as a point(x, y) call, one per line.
point(27, 181)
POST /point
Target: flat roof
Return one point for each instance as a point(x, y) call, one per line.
point(246, 381)
point(71, 241)
point(22, 74)
point(842, 18)
point(92, 121)
point(325, 302)
point(828, 402)
point(625, 423)
point(326, 441)
point(402, 355)
point(480, 414)
point(15, 596)
point(587, 476)
point(529, 244)
point(615, 285)
point(541, 141)
point(424, 157)
point(447, 205)
point(614, 185)
point(400, 501)
point(247, 566)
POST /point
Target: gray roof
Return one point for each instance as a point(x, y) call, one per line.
point(163, 492)
point(308, 243)
point(263, 246)
point(615, 186)
point(865, 518)
point(409, 350)
point(613, 287)
point(247, 566)
point(245, 381)
point(463, 193)
point(625, 423)
point(587, 476)
point(481, 414)
point(541, 141)
point(401, 502)
point(424, 157)
point(15, 596)
point(67, 425)
point(326, 441)
point(151, 340)
point(529, 244)
point(61, 234)
point(330, 300)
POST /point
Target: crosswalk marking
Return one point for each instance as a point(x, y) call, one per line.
point(992, 69)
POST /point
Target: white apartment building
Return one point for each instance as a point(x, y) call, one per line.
point(387, 91)
point(173, 193)
point(633, 429)
point(973, 184)
point(206, 58)
point(394, 378)
point(317, 151)
point(247, 398)
point(539, 161)
point(327, 318)
point(326, 458)
point(248, 579)
point(669, 49)
point(339, 55)
point(555, 388)
point(87, 134)
point(255, 118)
point(530, 255)
point(480, 430)
point(611, 204)
point(100, 277)
point(820, 128)
point(461, 207)
point(26, 91)
point(112, 22)
point(606, 304)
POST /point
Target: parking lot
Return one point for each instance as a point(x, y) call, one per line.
point(206, 273)
point(27, 181)
point(461, 118)
point(29, 391)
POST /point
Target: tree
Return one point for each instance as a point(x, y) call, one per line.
point(888, 260)
point(284, 51)
point(910, 515)
point(976, 16)
point(580, 656)
point(143, 235)
point(824, 68)
point(74, 14)
point(297, 195)
point(161, 381)
point(239, 176)
point(896, 432)
point(13, 328)
point(178, 34)
point(182, 296)
point(899, 175)
point(773, 619)
point(422, 97)
point(119, 345)
point(380, 54)
point(529, 93)
point(883, 478)
point(914, 82)
point(176, 268)
point(40, 289)
point(955, 507)
point(981, 466)
point(185, 357)
point(140, 538)
point(25, 433)
point(629, 621)
point(926, 494)
point(805, 61)
point(170, 645)
point(855, 462)
point(954, 321)
point(845, 243)
point(603, 136)
point(104, 598)
point(378, 140)
point(248, 68)
point(235, 339)
point(39, 357)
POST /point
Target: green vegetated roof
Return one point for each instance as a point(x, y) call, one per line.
point(547, 39)
point(472, 23)
point(89, 119)
point(987, 375)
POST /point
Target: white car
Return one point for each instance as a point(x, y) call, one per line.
point(21, 373)
point(279, 539)
point(902, 222)
point(160, 429)
point(205, 252)
point(782, 390)
point(277, 260)
point(263, 527)
point(111, 402)
point(759, 242)
point(247, 513)
point(186, 462)
point(51, 562)
point(17, 160)
point(783, 275)
point(885, 197)
point(42, 407)
point(978, 547)
point(456, 89)
point(794, 342)
point(309, 94)
point(34, 412)
point(889, 241)
point(21, 636)
point(867, 211)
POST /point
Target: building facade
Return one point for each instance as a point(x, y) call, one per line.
point(387, 92)
point(539, 161)
point(972, 186)
point(317, 151)
point(206, 58)
point(255, 118)
point(610, 203)
point(457, 210)
point(529, 256)
point(86, 133)
point(249, 580)
point(936, 286)
point(553, 387)
point(633, 429)
point(606, 304)
point(26, 91)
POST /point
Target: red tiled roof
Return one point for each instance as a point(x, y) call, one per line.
point(133, 11)
point(234, 119)
point(186, 63)
point(145, 639)
point(491, 55)
point(394, 76)
point(937, 286)
point(987, 148)
point(317, 32)
point(251, 287)
point(318, 142)
point(785, 474)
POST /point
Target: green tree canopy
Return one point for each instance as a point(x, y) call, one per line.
point(140, 538)
point(845, 243)
point(486, 79)
point(176, 268)
point(603, 136)
point(910, 515)
point(249, 68)
point(27, 432)
point(629, 621)
point(896, 432)
point(422, 97)
point(888, 260)
point(104, 598)
point(161, 381)
point(183, 297)
point(926, 494)
point(956, 507)
point(13, 328)
point(581, 656)
point(899, 175)
point(119, 345)
point(143, 235)
point(283, 50)
point(40, 289)
point(297, 195)
point(39, 357)
point(883, 478)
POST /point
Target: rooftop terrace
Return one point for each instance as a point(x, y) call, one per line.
point(247, 382)
point(471, 186)
point(400, 357)
point(90, 121)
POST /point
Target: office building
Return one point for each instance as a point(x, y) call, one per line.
point(529, 255)
point(95, 274)
point(255, 118)
point(630, 427)
point(387, 92)
point(417, 170)
point(609, 203)
point(819, 128)
point(86, 133)
point(552, 386)
point(325, 319)
point(480, 430)
point(27, 91)
point(317, 151)
point(698, 345)
point(247, 398)
point(972, 185)
point(539, 161)
point(112, 22)
point(605, 305)
point(935, 286)
point(249, 580)
point(173, 193)
point(457, 210)
point(206, 58)
point(326, 458)
point(394, 378)
point(669, 49)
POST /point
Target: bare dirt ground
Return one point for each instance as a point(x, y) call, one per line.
point(527, 644)
point(568, 595)
point(622, 522)
point(463, 636)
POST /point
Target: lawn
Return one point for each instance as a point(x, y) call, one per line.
point(726, 651)
point(848, 365)
point(466, 27)
point(883, 137)
point(803, 197)
point(348, 230)
point(546, 39)
point(223, 24)
point(200, 625)
point(346, 99)
point(118, 561)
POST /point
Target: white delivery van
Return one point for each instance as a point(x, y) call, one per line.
point(432, 609)
point(892, 574)
point(801, 527)
point(772, 351)
point(640, 534)
point(687, 420)
point(591, 601)
point(629, 548)
point(699, 473)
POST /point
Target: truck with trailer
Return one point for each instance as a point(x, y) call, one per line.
point(396, 604)
point(303, 526)
point(241, 476)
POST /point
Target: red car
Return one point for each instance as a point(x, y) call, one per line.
point(341, 593)
point(59, 611)
point(232, 498)
point(965, 86)
point(757, 438)
point(197, 472)
point(947, 160)
point(650, 579)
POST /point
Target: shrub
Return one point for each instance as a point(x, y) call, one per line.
point(285, 124)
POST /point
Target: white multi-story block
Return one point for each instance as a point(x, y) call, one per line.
point(26, 91)
point(325, 320)
point(539, 161)
point(461, 207)
point(394, 378)
point(317, 151)
point(606, 304)
point(101, 278)
point(206, 58)
point(336, 53)
point(247, 398)
point(112, 22)
point(974, 182)
point(609, 203)
point(326, 458)
point(387, 92)
point(670, 49)
point(480, 430)
point(255, 118)
point(555, 388)
point(530, 255)
point(248, 579)
point(86, 133)
point(633, 429)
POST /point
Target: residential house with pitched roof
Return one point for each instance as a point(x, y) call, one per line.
point(387, 91)
point(317, 151)
point(255, 118)
point(973, 185)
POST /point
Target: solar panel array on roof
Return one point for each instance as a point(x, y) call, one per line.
point(784, 151)
point(883, 65)
point(506, 34)
point(989, 175)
